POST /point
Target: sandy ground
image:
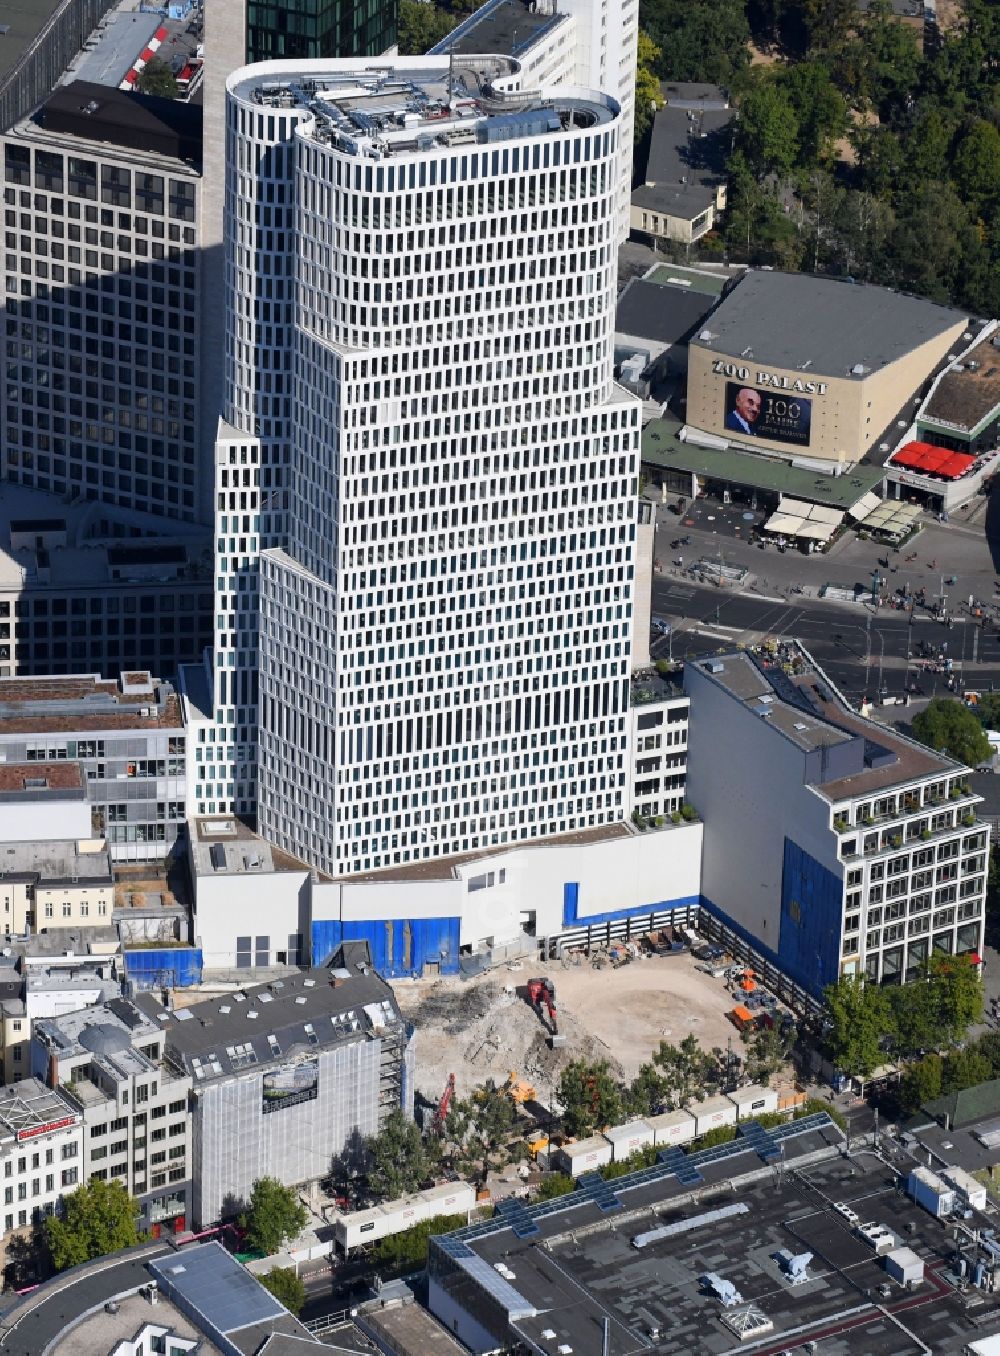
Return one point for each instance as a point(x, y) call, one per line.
point(483, 1028)
point(632, 1009)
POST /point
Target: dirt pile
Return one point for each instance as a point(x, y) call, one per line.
point(484, 1028)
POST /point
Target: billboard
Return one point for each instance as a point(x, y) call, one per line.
point(774, 415)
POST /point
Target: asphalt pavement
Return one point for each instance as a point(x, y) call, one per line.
point(864, 650)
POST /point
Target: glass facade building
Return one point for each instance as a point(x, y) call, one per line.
point(320, 28)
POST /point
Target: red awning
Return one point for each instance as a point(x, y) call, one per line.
point(933, 461)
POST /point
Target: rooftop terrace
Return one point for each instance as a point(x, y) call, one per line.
point(416, 105)
point(853, 756)
point(87, 702)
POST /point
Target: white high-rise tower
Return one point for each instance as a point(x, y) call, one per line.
point(427, 461)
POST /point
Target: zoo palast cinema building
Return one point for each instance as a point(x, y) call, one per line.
point(817, 369)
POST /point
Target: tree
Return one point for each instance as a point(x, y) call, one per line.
point(699, 39)
point(916, 1017)
point(396, 1160)
point(555, 1184)
point(964, 1069)
point(922, 1082)
point(686, 1071)
point(274, 1216)
point(98, 1217)
point(590, 1097)
point(480, 1124)
point(647, 87)
point(421, 27)
point(409, 1248)
point(819, 107)
point(767, 131)
point(768, 1051)
point(959, 992)
point(859, 1015)
point(286, 1288)
point(950, 727)
point(976, 166)
point(157, 78)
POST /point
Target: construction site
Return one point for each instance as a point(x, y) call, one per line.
point(488, 1026)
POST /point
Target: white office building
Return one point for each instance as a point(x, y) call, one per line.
point(426, 453)
point(834, 846)
point(588, 43)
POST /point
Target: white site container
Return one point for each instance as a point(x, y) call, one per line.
point(972, 1193)
point(367, 1226)
point(755, 1100)
point(904, 1266)
point(711, 1113)
point(585, 1155)
point(928, 1190)
point(627, 1139)
point(673, 1127)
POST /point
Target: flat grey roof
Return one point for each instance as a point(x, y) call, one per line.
point(31, 1323)
point(685, 201)
point(220, 1289)
point(66, 1034)
point(688, 145)
point(24, 20)
point(55, 863)
point(258, 1026)
point(669, 315)
point(823, 326)
point(122, 37)
point(505, 27)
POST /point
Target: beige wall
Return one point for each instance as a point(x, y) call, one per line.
point(72, 905)
point(15, 906)
point(651, 222)
point(848, 413)
point(15, 1036)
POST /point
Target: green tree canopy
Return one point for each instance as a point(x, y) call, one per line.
point(589, 1095)
point(950, 727)
point(479, 1125)
point(274, 1216)
point(921, 1083)
point(397, 1160)
point(98, 1218)
point(647, 85)
point(421, 27)
point(286, 1288)
point(859, 1016)
point(976, 167)
point(157, 78)
point(698, 39)
point(768, 131)
point(555, 1184)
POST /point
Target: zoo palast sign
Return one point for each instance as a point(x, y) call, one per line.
point(757, 378)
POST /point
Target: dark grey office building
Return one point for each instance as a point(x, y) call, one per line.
point(40, 38)
point(320, 28)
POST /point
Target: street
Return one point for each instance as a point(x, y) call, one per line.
point(864, 650)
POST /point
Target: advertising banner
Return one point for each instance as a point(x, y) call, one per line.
point(776, 416)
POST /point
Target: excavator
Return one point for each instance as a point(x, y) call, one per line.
point(441, 1111)
point(542, 992)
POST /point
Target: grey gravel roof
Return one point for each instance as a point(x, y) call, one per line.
point(790, 319)
point(649, 310)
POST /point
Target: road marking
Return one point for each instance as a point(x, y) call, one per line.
point(712, 635)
